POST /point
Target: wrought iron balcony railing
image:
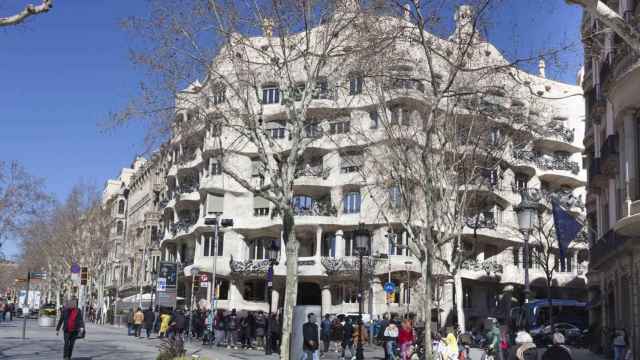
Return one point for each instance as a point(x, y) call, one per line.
point(488, 266)
point(317, 208)
point(547, 162)
point(564, 197)
point(315, 171)
point(556, 129)
point(481, 220)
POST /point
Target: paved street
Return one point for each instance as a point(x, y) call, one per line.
point(107, 342)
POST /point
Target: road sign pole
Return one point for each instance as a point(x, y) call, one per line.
point(26, 302)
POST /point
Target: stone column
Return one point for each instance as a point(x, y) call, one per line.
point(377, 301)
point(275, 298)
point(318, 244)
point(339, 244)
point(326, 299)
point(401, 300)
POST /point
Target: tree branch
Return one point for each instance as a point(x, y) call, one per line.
point(28, 11)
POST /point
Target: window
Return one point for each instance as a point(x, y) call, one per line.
point(270, 94)
point(340, 127)
point(322, 89)
point(467, 297)
point(495, 137)
point(521, 181)
point(355, 83)
point(395, 197)
point(260, 206)
point(218, 94)
point(313, 130)
point(119, 228)
point(328, 248)
point(261, 211)
point(208, 248)
point(121, 207)
point(278, 133)
point(375, 119)
point(349, 244)
point(216, 167)
point(302, 204)
point(397, 242)
point(258, 249)
point(351, 163)
point(352, 202)
point(400, 116)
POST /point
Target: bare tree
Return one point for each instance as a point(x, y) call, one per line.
point(28, 11)
point(21, 197)
point(258, 96)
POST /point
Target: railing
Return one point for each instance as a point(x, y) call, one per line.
point(546, 162)
point(481, 220)
point(556, 129)
point(316, 171)
point(249, 267)
point(404, 84)
point(185, 158)
point(347, 265)
point(488, 266)
point(182, 225)
point(318, 208)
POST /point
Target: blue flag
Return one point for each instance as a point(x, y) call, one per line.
point(567, 228)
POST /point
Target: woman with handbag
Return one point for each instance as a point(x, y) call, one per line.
point(72, 326)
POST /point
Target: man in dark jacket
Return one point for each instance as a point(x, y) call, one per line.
point(72, 326)
point(557, 351)
point(325, 327)
point(178, 322)
point(149, 319)
point(310, 338)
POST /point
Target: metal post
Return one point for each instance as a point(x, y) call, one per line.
point(215, 261)
point(267, 345)
point(115, 303)
point(407, 297)
point(26, 303)
point(140, 271)
point(359, 350)
point(525, 262)
point(193, 281)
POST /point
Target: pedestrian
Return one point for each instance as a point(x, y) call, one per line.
point(165, 320)
point(261, 326)
point(337, 333)
point(130, 322)
point(391, 334)
point(524, 348)
point(382, 325)
point(347, 338)
point(12, 309)
point(405, 339)
point(452, 352)
point(244, 331)
point(557, 351)
point(360, 334)
point(178, 323)
point(325, 334)
point(72, 325)
point(231, 330)
point(219, 327)
point(310, 338)
point(493, 340)
point(619, 345)
point(275, 330)
point(2, 306)
point(439, 347)
point(207, 337)
point(149, 320)
point(138, 320)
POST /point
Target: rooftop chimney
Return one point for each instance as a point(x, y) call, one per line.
point(464, 17)
point(267, 27)
point(541, 67)
point(406, 12)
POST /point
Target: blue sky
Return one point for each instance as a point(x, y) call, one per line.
point(62, 73)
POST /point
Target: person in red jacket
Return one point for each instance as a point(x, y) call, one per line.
point(405, 339)
point(73, 326)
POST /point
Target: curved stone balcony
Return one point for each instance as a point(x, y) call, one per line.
point(481, 270)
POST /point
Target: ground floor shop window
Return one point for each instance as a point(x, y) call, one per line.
point(255, 290)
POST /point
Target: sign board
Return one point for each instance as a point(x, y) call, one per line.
point(75, 278)
point(167, 284)
point(204, 284)
point(204, 278)
point(389, 287)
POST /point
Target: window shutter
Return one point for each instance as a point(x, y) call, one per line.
point(215, 203)
point(260, 202)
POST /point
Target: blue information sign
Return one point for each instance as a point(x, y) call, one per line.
point(389, 287)
point(75, 268)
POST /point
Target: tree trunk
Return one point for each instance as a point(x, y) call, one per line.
point(609, 17)
point(427, 272)
point(291, 289)
point(457, 283)
point(550, 305)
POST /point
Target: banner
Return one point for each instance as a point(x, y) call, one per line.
point(167, 284)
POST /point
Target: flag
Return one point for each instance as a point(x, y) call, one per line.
point(567, 228)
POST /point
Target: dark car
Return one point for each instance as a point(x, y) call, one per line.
point(544, 335)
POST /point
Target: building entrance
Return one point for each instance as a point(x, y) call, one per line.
point(309, 294)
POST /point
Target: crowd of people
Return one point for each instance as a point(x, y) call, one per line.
point(7, 310)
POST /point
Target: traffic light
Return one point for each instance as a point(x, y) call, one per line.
point(84, 275)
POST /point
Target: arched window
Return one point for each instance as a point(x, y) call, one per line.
point(259, 248)
point(119, 228)
point(121, 207)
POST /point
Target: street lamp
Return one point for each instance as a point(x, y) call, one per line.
point(216, 223)
point(194, 272)
point(272, 253)
point(362, 238)
point(527, 212)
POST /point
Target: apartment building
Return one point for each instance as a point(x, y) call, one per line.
point(331, 201)
point(611, 152)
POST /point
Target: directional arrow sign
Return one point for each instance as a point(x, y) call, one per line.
point(389, 287)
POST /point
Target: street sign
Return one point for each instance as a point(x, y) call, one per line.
point(389, 287)
point(204, 278)
point(204, 284)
